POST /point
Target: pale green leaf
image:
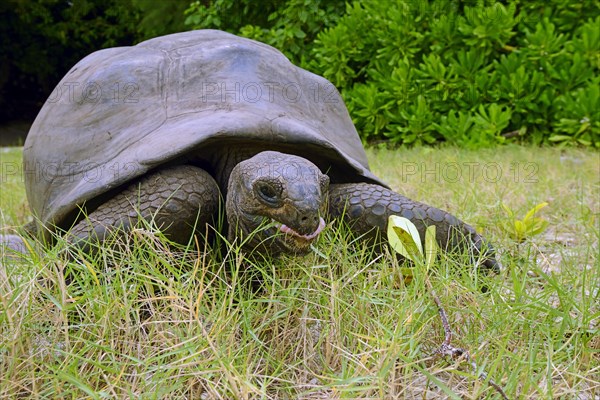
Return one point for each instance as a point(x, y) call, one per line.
point(538, 226)
point(520, 230)
point(534, 210)
point(404, 238)
point(507, 210)
point(431, 246)
point(406, 245)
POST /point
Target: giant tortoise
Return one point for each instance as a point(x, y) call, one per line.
point(179, 127)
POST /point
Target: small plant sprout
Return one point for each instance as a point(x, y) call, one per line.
point(529, 226)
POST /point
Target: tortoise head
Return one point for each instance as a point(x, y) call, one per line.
point(275, 202)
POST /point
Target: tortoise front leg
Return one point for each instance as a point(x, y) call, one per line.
point(177, 200)
point(366, 208)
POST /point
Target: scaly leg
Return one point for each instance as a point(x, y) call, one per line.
point(176, 198)
point(366, 208)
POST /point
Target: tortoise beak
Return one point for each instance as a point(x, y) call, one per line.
point(303, 217)
point(308, 237)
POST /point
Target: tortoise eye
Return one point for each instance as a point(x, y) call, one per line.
point(270, 192)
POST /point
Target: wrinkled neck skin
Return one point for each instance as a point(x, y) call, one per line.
point(275, 203)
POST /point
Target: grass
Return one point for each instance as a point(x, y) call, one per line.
point(160, 323)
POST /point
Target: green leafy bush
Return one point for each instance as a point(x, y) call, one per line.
point(473, 76)
point(472, 73)
point(290, 25)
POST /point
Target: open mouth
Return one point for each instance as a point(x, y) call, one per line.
point(294, 237)
point(280, 238)
point(309, 238)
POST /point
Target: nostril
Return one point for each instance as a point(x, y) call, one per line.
point(312, 219)
point(309, 222)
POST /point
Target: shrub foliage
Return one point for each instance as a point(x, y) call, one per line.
point(471, 73)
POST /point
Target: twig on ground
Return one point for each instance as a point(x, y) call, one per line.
point(446, 349)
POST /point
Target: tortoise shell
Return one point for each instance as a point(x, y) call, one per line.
point(123, 111)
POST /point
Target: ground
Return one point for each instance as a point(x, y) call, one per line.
point(152, 322)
